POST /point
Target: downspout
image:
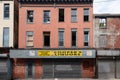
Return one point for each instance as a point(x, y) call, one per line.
point(96, 65)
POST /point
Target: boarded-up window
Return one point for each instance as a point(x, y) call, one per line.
point(29, 39)
point(103, 41)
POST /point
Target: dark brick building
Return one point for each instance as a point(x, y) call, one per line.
point(107, 31)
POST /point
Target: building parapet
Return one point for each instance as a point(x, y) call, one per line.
point(56, 1)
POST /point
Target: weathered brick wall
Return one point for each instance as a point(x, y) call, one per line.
point(38, 69)
point(113, 26)
point(88, 70)
point(19, 69)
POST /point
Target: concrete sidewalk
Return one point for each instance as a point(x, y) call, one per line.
point(68, 79)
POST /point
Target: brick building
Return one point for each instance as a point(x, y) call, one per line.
point(8, 33)
point(106, 39)
point(107, 30)
point(55, 40)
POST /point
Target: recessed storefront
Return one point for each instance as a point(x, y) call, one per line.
point(54, 64)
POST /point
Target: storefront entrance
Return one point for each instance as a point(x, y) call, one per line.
point(30, 70)
point(68, 68)
point(61, 68)
point(39, 64)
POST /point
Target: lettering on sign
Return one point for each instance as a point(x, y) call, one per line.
point(59, 53)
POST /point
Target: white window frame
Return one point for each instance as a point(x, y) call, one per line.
point(60, 30)
point(88, 30)
point(44, 17)
point(73, 16)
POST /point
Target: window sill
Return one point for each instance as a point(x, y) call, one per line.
point(74, 47)
point(86, 21)
point(29, 47)
point(6, 18)
point(103, 28)
point(46, 46)
point(74, 22)
point(61, 47)
point(86, 46)
point(61, 21)
point(47, 23)
point(30, 22)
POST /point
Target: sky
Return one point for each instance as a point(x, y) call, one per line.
point(106, 6)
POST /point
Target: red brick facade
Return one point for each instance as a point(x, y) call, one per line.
point(88, 68)
point(38, 69)
point(19, 69)
point(79, 30)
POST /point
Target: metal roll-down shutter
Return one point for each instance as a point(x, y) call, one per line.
point(61, 68)
point(106, 69)
point(67, 68)
point(3, 69)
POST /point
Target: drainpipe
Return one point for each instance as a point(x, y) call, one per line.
point(115, 67)
point(9, 65)
point(114, 58)
point(53, 69)
point(96, 65)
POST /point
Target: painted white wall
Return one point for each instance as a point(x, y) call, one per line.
point(7, 22)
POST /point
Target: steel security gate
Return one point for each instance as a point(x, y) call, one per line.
point(118, 68)
point(3, 69)
point(67, 68)
point(48, 68)
point(61, 68)
point(106, 68)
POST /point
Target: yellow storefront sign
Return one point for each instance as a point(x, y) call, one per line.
point(59, 53)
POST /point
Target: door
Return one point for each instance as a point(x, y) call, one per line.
point(30, 70)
